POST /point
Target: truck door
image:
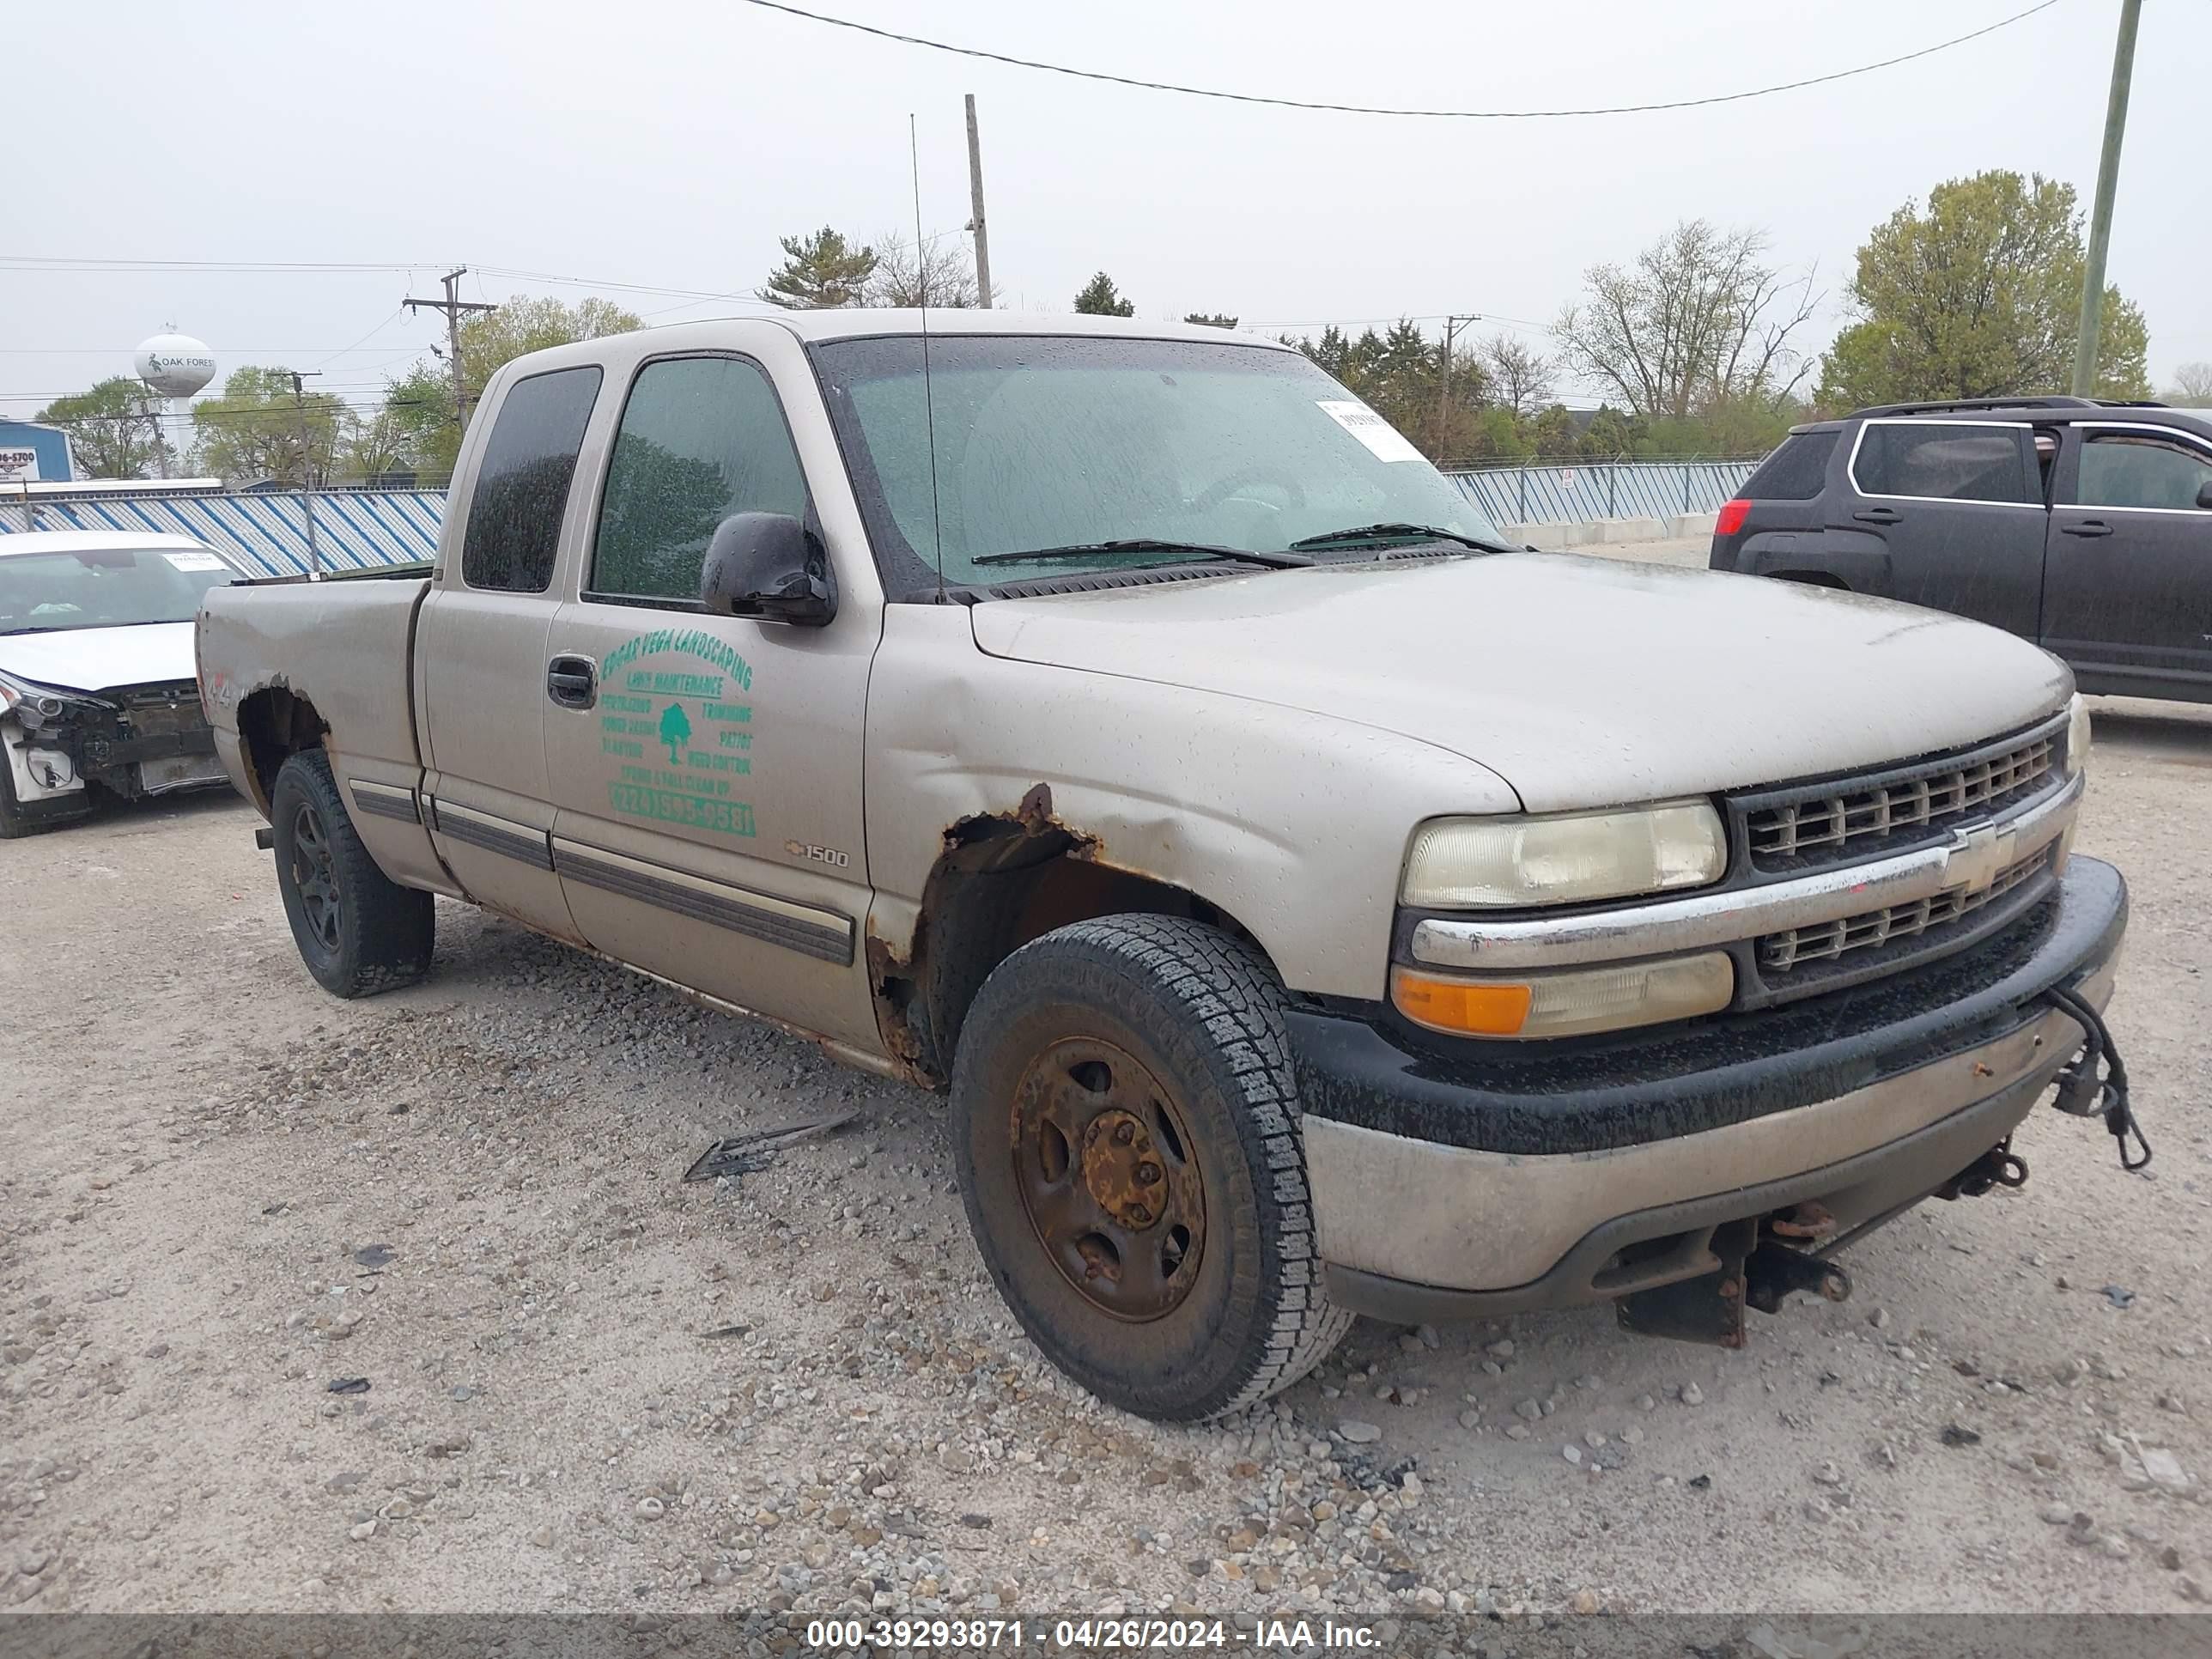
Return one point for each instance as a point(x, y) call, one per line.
point(1960, 504)
point(706, 769)
point(2128, 583)
point(480, 646)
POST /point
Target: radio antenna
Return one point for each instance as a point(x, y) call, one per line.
point(928, 402)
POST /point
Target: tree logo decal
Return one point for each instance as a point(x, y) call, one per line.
point(675, 732)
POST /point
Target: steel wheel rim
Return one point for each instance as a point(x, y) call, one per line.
point(1108, 1172)
point(315, 877)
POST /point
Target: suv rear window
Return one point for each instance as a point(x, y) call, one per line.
point(1936, 460)
point(1795, 471)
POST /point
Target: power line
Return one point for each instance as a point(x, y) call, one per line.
point(1368, 109)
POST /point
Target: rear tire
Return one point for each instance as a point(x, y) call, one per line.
point(359, 932)
point(1125, 1129)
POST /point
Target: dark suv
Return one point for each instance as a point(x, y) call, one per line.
point(2085, 526)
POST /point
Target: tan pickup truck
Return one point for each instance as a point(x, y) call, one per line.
point(1311, 905)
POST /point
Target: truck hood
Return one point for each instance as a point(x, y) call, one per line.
point(1583, 681)
point(95, 659)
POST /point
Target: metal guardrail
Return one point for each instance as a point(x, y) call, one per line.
point(1583, 492)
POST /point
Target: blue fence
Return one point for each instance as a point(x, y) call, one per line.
point(1576, 492)
point(355, 529)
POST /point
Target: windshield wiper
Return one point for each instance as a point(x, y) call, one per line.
point(1400, 532)
point(1144, 545)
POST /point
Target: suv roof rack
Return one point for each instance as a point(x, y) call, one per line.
point(2054, 400)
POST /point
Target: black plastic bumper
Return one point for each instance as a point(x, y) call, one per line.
point(1638, 1088)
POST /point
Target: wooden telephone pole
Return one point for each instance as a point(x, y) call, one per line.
point(453, 305)
point(1452, 325)
point(975, 208)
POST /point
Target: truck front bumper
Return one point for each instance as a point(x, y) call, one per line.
point(1453, 1180)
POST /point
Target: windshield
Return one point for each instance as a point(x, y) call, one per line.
point(1052, 443)
point(104, 587)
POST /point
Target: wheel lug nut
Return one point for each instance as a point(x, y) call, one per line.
point(1124, 1133)
point(1139, 1214)
point(1148, 1174)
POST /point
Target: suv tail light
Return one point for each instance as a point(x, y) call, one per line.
point(1729, 519)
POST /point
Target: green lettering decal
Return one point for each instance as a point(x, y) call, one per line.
point(681, 710)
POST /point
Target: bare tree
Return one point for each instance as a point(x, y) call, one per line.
point(938, 272)
point(2192, 386)
point(1520, 376)
point(1700, 319)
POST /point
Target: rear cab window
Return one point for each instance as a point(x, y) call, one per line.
point(522, 480)
point(1944, 461)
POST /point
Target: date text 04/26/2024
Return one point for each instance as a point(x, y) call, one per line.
point(1087, 1635)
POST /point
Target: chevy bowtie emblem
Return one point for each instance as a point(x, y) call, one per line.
point(1977, 857)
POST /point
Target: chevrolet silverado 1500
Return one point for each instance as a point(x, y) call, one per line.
point(1309, 904)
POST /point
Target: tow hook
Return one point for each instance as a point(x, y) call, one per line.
point(1999, 1166)
point(1754, 1272)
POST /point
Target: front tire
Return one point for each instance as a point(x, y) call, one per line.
point(1125, 1129)
point(359, 932)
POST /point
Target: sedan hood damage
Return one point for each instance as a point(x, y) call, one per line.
point(1583, 681)
point(96, 658)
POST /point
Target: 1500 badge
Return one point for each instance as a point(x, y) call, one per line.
point(814, 854)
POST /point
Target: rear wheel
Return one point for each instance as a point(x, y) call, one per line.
point(1125, 1127)
point(359, 932)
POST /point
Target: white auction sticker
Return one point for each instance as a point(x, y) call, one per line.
point(1384, 440)
point(194, 560)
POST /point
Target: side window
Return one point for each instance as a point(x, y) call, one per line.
point(1929, 459)
point(702, 438)
point(1797, 471)
point(522, 482)
point(2127, 469)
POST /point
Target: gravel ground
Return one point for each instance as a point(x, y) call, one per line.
point(589, 1385)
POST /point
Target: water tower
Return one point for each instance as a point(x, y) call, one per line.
point(173, 367)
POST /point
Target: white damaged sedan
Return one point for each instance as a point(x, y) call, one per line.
point(97, 684)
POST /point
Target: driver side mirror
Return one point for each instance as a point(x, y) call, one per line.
point(2204, 493)
point(769, 566)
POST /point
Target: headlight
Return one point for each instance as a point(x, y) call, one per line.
point(1469, 863)
point(2077, 736)
point(1608, 999)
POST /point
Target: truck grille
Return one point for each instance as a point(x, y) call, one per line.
point(1792, 828)
point(1780, 953)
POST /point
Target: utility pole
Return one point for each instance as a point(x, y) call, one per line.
point(2100, 214)
point(453, 305)
point(975, 210)
point(1443, 397)
point(307, 472)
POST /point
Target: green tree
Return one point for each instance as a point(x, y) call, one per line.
point(420, 402)
point(112, 433)
point(1979, 296)
point(675, 732)
point(1398, 375)
point(1100, 297)
point(1609, 437)
point(1520, 375)
point(1210, 319)
point(1554, 433)
point(1701, 317)
point(821, 273)
point(254, 430)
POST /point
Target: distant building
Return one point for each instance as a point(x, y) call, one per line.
point(33, 454)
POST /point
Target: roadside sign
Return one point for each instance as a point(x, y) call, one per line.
point(1566, 477)
point(19, 465)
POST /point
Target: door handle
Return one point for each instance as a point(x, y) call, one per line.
point(2086, 527)
point(1878, 515)
point(572, 681)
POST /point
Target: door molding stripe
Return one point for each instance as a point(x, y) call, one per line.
point(824, 935)
point(386, 800)
point(494, 834)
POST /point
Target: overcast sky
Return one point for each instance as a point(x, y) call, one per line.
point(668, 142)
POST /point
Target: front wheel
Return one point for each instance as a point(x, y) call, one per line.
point(1124, 1128)
point(359, 932)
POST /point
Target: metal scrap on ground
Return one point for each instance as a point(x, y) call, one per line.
point(735, 1155)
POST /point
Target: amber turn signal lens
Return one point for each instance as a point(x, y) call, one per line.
point(1451, 1005)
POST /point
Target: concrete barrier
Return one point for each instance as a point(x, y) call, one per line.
point(1565, 537)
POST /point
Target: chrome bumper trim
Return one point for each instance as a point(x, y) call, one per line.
point(1458, 1219)
point(1971, 857)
